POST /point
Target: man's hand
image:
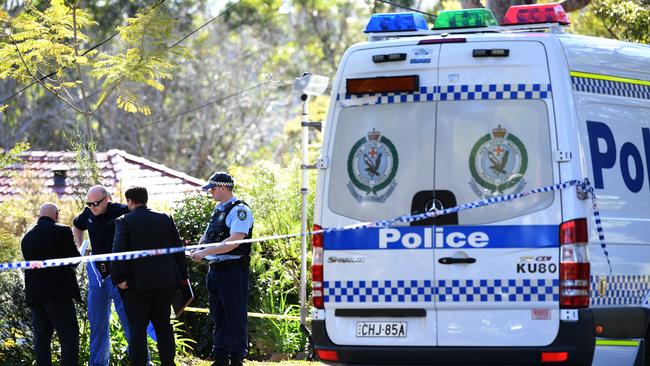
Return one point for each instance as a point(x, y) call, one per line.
point(122, 285)
point(35, 264)
point(198, 255)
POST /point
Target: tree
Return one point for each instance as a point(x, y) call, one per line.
point(627, 20)
point(46, 47)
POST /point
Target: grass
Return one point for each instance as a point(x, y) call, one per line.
point(198, 362)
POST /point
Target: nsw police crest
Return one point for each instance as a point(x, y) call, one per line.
point(498, 162)
point(372, 166)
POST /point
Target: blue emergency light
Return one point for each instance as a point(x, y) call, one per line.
point(396, 22)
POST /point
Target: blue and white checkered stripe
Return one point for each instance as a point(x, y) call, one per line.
point(493, 290)
point(495, 91)
point(621, 290)
point(609, 87)
point(455, 92)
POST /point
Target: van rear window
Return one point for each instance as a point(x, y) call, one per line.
point(382, 155)
point(486, 148)
point(394, 159)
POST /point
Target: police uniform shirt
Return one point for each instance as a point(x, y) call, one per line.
point(101, 229)
point(239, 220)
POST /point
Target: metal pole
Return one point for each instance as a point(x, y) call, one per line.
point(304, 190)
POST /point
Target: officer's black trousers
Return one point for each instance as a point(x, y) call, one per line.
point(228, 298)
point(60, 315)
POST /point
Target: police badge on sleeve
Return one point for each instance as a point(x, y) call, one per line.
point(241, 215)
point(498, 162)
point(372, 166)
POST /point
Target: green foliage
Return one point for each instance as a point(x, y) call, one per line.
point(141, 63)
point(9, 247)
point(12, 156)
point(627, 20)
point(15, 332)
point(273, 190)
point(585, 22)
point(191, 218)
point(40, 42)
point(273, 193)
point(43, 41)
point(89, 172)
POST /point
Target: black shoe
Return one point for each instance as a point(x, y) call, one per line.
point(236, 362)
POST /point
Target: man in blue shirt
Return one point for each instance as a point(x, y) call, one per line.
point(227, 280)
point(99, 219)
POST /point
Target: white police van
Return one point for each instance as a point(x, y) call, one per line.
point(429, 119)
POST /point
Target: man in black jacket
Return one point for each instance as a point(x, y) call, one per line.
point(148, 284)
point(49, 292)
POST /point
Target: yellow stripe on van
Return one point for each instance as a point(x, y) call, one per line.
point(617, 342)
point(609, 78)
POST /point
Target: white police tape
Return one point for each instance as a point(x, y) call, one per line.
point(584, 190)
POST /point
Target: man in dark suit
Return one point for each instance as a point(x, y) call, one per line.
point(148, 284)
point(49, 292)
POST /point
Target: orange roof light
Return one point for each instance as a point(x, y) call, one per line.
point(535, 14)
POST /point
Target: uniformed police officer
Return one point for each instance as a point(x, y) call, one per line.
point(227, 280)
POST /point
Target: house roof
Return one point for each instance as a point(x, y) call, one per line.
point(119, 170)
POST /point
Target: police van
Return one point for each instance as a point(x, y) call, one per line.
point(423, 120)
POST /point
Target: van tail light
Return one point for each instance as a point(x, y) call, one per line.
point(327, 355)
point(574, 265)
point(317, 268)
point(554, 357)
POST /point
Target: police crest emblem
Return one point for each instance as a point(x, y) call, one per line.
point(372, 166)
point(241, 214)
point(498, 162)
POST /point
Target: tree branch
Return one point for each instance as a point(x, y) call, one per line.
point(22, 59)
point(609, 29)
point(573, 5)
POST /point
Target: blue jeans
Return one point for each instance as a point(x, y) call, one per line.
point(100, 294)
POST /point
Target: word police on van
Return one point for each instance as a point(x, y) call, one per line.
point(424, 120)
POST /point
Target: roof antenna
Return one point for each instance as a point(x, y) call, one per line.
point(406, 7)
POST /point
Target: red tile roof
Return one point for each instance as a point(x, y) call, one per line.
point(119, 170)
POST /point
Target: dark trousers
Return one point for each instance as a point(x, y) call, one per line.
point(142, 307)
point(228, 298)
point(59, 315)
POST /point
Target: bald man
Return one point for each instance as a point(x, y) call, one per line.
point(50, 292)
point(99, 219)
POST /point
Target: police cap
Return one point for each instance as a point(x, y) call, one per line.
point(220, 179)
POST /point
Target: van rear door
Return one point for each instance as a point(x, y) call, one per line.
point(378, 283)
point(496, 274)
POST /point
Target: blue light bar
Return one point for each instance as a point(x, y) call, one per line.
point(396, 22)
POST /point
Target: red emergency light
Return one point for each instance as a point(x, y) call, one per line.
point(383, 84)
point(535, 14)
